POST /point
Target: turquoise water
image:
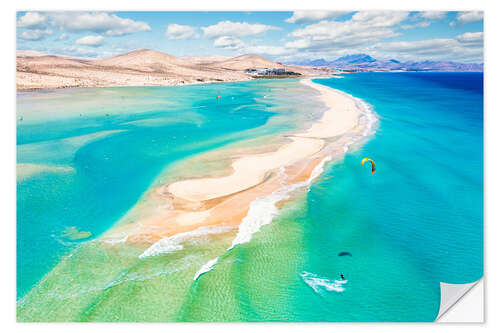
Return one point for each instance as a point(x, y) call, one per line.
point(416, 222)
point(413, 224)
point(117, 140)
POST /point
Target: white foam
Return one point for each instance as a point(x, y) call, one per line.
point(174, 243)
point(319, 283)
point(206, 268)
point(116, 238)
point(263, 210)
point(366, 110)
point(368, 114)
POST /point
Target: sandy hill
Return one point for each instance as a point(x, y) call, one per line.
point(29, 53)
point(50, 61)
point(143, 59)
point(137, 68)
point(245, 61)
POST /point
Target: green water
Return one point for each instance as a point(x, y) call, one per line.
point(97, 151)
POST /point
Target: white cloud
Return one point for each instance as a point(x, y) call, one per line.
point(468, 17)
point(266, 49)
point(376, 19)
point(431, 46)
point(362, 29)
point(235, 29)
point(229, 43)
point(110, 24)
point(367, 32)
point(471, 38)
point(62, 36)
point(32, 20)
point(423, 19)
point(423, 24)
point(432, 15)
point(177, 31)
point(76, 51)
point(91, 41)
point(35, 34)
point(237, 45)
point(305, 16)
point(466, 47)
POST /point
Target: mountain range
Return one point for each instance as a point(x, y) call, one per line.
point(364, 62)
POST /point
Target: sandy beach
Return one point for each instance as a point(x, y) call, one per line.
point(186, 205)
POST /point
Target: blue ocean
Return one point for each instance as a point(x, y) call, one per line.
point(416, 222)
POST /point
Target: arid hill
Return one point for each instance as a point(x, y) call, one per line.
point(137, 68)
point(143, 59)
point(245, 61)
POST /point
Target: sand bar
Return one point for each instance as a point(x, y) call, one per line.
point(342, 114)
point(340, 117)
point(211, 201)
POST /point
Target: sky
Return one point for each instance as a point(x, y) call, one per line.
point(279, 36)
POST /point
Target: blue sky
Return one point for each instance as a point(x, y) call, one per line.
point(281, 36)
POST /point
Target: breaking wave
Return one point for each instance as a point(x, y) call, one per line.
point(262, 211)
point(175, 242)
point(206, 268)
point(318, 283)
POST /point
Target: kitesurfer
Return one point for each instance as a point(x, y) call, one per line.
point(371, 161)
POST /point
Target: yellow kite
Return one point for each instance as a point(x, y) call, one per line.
point(369, 159)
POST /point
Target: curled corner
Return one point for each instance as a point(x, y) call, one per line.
point(451, 294)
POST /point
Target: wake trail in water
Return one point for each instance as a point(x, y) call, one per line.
point(175, 242)
point(318, 284)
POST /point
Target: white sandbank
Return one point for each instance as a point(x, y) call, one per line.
point(341, 116)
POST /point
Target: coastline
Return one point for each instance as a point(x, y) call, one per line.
point(133, 85)
point(178, 83)
point(186, 206)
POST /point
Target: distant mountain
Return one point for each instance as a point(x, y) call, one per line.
point(364, 62)
point(356, 59)
point(319, 62)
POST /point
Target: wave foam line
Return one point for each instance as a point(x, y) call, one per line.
point(261, 212)
point(206, 268)
point(319, 283)
point(174, 243)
